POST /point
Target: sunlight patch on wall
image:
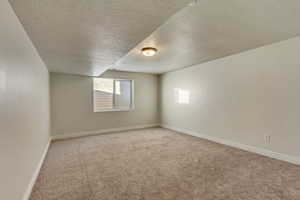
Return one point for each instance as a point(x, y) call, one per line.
point(182, 96)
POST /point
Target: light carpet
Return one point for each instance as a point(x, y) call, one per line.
point(159, 164)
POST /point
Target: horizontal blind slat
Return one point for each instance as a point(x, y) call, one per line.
point(103, 100)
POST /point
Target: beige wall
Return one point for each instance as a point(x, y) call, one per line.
point(241, 97)
point(72, 104)
point(24, 107)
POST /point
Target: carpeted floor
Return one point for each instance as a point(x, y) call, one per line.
point(158, 164)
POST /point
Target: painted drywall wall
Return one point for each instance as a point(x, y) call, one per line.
point(24, 107)
point(72, 104)
point(240, 98)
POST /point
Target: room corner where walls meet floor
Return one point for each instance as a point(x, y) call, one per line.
point(157, 163)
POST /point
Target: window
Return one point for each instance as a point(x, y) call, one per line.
point(113, 94)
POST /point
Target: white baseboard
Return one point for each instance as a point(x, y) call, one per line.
point(253, 149)
point(101, 131)
point(36, 173)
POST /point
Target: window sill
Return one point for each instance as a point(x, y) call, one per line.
point(115, 110)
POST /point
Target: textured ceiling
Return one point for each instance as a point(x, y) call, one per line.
point(87, 37)
point(212, 29)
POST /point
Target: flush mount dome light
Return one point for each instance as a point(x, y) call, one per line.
point(149, 51)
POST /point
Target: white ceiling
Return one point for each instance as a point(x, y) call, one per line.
point(212, 29)
point(86, 37)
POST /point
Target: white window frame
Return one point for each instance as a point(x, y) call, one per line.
point(132, 106)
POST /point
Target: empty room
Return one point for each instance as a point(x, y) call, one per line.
point(149, 100)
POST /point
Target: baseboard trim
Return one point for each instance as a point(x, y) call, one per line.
point(101, 131)
point(253, 149)
point(36, 173)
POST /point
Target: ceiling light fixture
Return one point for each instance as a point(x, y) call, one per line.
point(149, 51)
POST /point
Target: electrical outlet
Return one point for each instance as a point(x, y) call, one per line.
point(2, 80)
point(267, 139)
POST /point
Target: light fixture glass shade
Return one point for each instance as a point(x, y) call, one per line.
point(149, 51)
